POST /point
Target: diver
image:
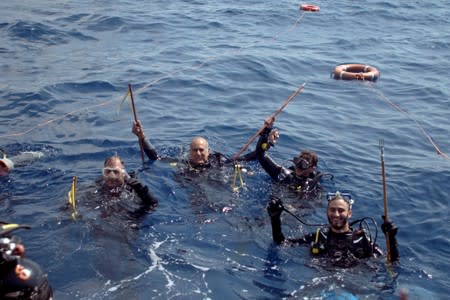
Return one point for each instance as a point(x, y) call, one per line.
point(117, 183)
point(200, 166)
point(7, 164)
point(114, 208)
point(20, 278)
point(116, 194)
point(302, 177)
point(337, 241)
point(200, 159)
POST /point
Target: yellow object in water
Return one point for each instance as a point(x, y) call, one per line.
point(72, 197)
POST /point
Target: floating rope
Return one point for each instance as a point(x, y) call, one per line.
point(50, 121)
point(122, 100)
point(149, 84)
point(418, 125)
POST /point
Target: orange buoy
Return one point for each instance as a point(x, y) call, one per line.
point(309, 7)
point(355, 71)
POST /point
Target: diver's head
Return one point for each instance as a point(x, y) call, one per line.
point(339, 210)
point(114, 172)
point(307, 160)
point(199, 151)
point(6, 165)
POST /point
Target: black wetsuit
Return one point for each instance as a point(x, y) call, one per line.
point(132, 185)
point(307, 184)
point(215, 159)
point(129, 202)
point(149, 149)
point(343, 249)
point(21, 278)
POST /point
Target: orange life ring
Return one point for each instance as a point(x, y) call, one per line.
point(356, 71)
point(309, 7)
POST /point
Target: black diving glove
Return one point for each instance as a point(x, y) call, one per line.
point(133, 181)
point(137, 186)
point(388, 227)
point(275, 207)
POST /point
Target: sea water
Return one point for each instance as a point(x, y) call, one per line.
point(218, 69)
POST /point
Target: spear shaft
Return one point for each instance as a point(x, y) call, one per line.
point(385, 201)
point(273, 116)
point(133, 108)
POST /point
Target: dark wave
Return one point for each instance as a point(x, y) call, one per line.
point(104, 23)
point(43, 33)
point(36, 32)
point(82, 87)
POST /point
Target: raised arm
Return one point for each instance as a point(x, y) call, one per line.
point(268, 139)
point(148, 147)
point(271, 137)
point(390, 229)
point(275, 208)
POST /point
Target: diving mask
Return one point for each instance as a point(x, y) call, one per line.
point(347, 197)
point(112, 172)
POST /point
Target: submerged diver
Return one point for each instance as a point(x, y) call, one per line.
point(114, 209)
point(303, 177)
point(201, 158)
point(338, 241)
point(20, 278)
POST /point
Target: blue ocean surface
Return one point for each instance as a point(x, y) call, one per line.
point(218, 69)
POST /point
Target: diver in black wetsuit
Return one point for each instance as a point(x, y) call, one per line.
point(200, 156)
point(20, 278)
point(117, 183)
point(117, 194)
point(114, 209)
point(303, 177)
point(339, 242)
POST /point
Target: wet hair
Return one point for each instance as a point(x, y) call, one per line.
point(111, 159)
point(308, 155)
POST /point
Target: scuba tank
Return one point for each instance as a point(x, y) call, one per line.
point(20, 278)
